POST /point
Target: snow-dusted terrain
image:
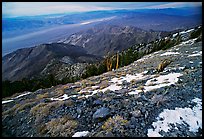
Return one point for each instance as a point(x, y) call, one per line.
point(136, 100)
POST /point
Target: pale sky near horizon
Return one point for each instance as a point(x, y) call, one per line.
point(15, 9)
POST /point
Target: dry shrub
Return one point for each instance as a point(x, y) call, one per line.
point(116, 122)
point(140, 88)
point(24, 106)
point(41, 96)
point(163, 64)
point(103, 84)
point(44, 109)
point(78, 89)
point(61, 127)
point(59, 92)
point(19, 107)
point(11, 110)
point(39, 111)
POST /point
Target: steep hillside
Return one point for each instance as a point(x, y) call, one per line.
point(84, 47)
point(132, 101)
point(29, 62)
point(101, 40)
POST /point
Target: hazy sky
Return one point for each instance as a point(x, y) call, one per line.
point(13, 9)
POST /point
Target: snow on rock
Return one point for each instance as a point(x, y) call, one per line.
point(174, 35)
point(197, 54)
point(189, 42)
point(80, 134)
point(112, 87)
point(161, 81)
point(169, 53)
point(193, 117)
point(6, 101)
point(23, 95)
point(64, 97)
point(128, 78)
point(134, 92)
point(181, 68)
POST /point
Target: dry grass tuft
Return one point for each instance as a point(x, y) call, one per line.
point(116, 122)
point(61, 127)
point(41, 96)
point(163, 64)
point(44, 109)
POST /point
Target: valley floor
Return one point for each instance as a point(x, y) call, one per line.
point(133, 101)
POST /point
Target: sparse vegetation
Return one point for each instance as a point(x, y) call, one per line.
point(116, 122)
point(44, 109)
point(163, 64)
point(196, 33)
point(60, 127)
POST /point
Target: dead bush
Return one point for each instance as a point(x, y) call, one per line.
point(61, 127)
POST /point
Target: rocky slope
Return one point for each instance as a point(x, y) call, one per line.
point(29, 62)
point(132, 101)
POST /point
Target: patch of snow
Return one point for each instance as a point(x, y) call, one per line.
point(85, 42)
point(169, 53)
point(134, 92)
point(128, 78)
point(181, 68)
point(161, 81)
point(112, 87)
point(190, 30)
point(145, 72)
point(64, 97)
point(80, 134)
point(193, 117)
point(156, 52)
point(191, 62)
point(197, 54)
point(12, 57)
point(6, 101)
point(190, 42)
point(182, 32)
point(23, 95)
point(94, 87)
point(174, 35)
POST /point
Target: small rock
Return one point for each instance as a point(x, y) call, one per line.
point(136, 113)
point(79, 110)
point(101, 113)
point(97, 102)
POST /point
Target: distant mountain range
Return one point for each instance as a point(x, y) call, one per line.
point(105, 39)
point(58, 19)
point(22, 32)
